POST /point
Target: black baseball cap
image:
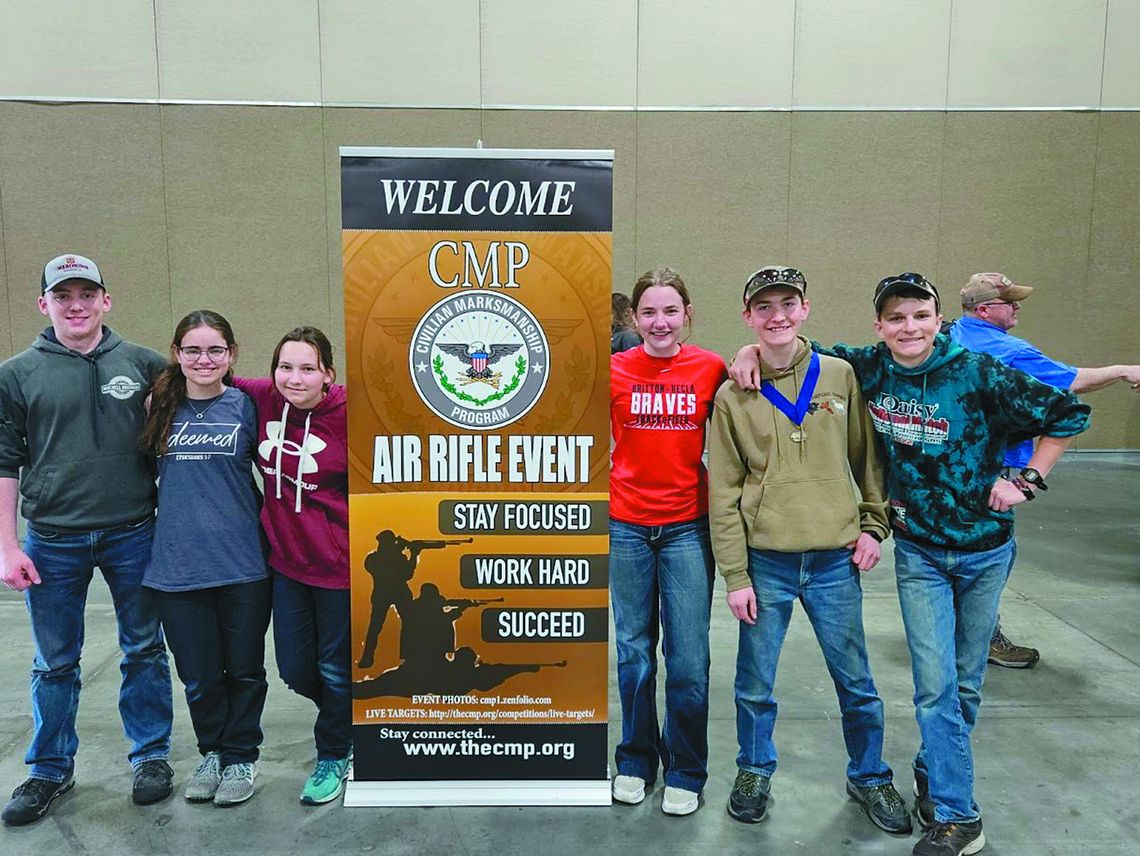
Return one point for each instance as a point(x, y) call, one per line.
point(913, 283)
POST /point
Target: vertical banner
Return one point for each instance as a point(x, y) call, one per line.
point(476, 288)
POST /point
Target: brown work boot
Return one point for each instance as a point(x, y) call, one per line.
point(1005, 653)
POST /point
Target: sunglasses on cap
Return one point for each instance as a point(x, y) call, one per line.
point(774, 275)
point(902, 282)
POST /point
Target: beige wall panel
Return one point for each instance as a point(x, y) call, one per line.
point(245, 192)
point(871, 53)
point(530, 129)
point(546, 52)
point(722, 53)
point(78, 49)
point(1023, 53)
point(1017, 198)
point(1121, 86)
point(712, 192)
point(1112, 302)
point(423, 53)
point(88, 179)
point(222, 50)
point(864, 204)
point(360, 127)
point(6, 347)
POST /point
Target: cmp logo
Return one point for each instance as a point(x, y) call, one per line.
point(120, 387)
point(479, 360)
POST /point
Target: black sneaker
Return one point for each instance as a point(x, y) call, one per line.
point(883, 805)
point(951, 839)
point(749, 798)
point(32, 799)
point(923, 804)
point(154, 781)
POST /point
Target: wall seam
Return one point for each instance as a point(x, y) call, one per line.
point(324, 170)
point(1092, 208)
point(7, 275)
point(166, 216)
point(157, 56)
point(791, 137)
point(636, 146)
point(1104, 53)
point(480, 62)
point(949, 53)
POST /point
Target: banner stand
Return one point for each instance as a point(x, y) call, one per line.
point(477, 288)
point(490, 793)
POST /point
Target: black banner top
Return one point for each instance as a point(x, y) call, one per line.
point(476, 192)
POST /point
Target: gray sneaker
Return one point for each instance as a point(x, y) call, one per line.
point(236, 785)
point(204, 783)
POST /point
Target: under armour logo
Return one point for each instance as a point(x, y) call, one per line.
point(275, 440)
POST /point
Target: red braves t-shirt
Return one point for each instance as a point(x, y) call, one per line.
point(659, 407)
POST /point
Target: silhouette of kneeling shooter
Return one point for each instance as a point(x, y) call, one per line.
point(392, 565)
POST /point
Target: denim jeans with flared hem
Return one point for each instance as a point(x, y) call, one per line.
point(827, 585)
point(661, 584)
point(949, 601)
point(66, 564)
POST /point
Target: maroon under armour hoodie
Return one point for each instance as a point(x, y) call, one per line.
point(303, 456)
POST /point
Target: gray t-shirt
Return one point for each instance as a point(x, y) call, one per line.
point(207, 532)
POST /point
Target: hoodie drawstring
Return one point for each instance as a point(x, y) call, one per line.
point(281, 445)
point(301, 460)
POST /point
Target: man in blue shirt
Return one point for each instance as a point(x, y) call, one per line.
point(990, 305)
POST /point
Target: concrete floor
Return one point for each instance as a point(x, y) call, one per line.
point(1057, 748)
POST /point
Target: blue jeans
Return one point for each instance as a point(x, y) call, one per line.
point(827, 584)
point(217, 637)
point(949, 601)
point(66, 563)
point(661, 580)
point(314, 651)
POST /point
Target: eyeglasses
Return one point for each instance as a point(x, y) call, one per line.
point(1016, 304)
point(214, 353)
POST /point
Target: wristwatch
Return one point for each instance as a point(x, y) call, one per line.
point(1031, 477)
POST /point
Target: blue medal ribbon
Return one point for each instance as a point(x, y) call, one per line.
point(795, 412)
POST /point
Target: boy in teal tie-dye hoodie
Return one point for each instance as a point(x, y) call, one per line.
point(945, 417)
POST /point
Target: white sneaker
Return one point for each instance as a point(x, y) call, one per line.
point(679, 801)
point(629, 789)
point(236, 785)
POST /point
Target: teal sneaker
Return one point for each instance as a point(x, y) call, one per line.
point(326, 783)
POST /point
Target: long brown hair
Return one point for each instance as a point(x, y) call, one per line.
point(310, 336)
point(169, 390)
point(668, 278)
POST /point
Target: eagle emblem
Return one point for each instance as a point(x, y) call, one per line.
point(479, 357)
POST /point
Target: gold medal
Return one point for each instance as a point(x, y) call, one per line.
point(798, 435)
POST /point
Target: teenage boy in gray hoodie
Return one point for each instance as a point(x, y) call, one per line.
point(71, 408)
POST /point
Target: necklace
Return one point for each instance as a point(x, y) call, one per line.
point(213, 401)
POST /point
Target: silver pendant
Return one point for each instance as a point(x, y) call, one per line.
point(798, 435)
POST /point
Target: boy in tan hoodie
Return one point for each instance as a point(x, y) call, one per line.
point(797, 511)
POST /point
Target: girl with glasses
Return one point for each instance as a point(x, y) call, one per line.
point(207, 568)
point(302, 437)
point(661, 564)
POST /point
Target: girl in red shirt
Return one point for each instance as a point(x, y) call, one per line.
point(661, 564)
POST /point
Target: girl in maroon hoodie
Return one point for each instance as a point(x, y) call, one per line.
point(303, 455)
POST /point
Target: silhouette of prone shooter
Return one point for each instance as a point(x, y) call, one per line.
point(427, 631)
point(465, 671)
point(392, 565)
